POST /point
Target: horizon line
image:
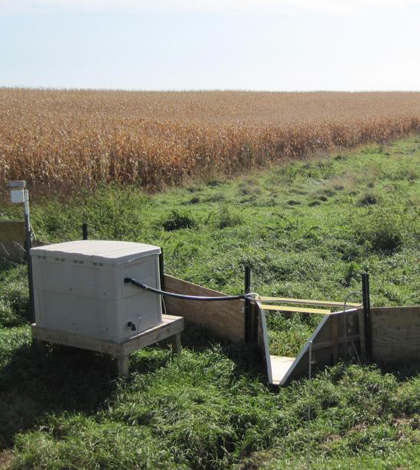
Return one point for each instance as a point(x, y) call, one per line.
point(194, 90)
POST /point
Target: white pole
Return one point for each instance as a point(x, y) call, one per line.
point(27, 202)
point(28, 247)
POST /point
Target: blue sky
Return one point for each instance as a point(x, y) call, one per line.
point(284, 45)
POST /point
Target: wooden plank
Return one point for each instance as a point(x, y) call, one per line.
point(281, 308)
point(330, 344)
point(70, 339)
point(395, 334)
point(12, 231)
point(170, 326)
point(396, 316)
point(320, 303)
point(280, 366)
point(225, 319)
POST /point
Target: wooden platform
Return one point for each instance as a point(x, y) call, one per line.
point(171, 327)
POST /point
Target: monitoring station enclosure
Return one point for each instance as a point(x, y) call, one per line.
point(79, 287)
point(81, 298)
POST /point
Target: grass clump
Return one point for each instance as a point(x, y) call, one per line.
point(227, 218)
point(383, 231)
point(368, 199)
point(177, 220)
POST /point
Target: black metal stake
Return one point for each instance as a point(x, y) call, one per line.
point(366, 314)
point(162, 277)
point(162, 270)
point(248, 306)
point(85, 231)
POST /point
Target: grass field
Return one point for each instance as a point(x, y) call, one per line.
point(308, 228)
point(72, 139)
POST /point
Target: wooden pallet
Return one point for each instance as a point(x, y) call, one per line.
point(171, 327)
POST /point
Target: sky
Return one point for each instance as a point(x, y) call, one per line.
point(273, 45)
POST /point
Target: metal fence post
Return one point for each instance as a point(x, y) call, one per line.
point(85, 231)
point(366, 315)
point(248, 306)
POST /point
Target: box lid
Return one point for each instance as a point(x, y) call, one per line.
point(97, 251)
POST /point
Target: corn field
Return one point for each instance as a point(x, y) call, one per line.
point(74, 139)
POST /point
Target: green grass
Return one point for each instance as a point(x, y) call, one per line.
point(308, 229)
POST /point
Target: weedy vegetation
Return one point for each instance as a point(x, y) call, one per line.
point(308, 228)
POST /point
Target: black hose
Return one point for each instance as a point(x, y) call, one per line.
point(129, 280)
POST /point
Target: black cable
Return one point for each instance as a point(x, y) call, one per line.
point(129, 280)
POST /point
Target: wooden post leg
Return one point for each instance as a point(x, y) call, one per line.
point(176, 343)
point(123, 366)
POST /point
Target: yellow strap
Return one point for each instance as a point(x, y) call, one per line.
point(281, 308)
point(320, 303)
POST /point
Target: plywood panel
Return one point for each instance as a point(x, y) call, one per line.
point(12, 251)
point(12, 231)
point(395, 334)
point(225, 319)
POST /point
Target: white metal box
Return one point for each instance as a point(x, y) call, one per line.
point(17, 196)
point(79, 288)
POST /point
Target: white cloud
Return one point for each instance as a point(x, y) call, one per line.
point(335, 7)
